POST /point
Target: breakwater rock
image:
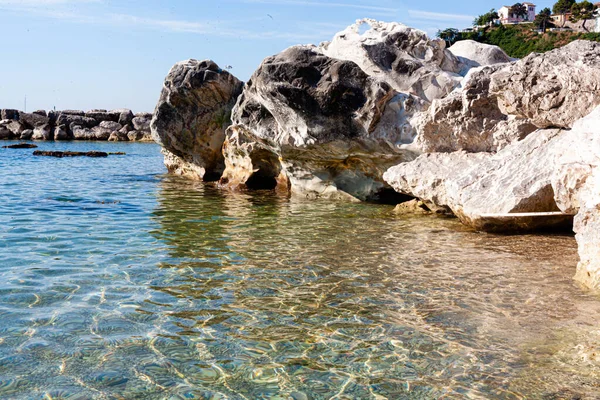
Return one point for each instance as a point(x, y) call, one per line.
point(387, 114)
point(114, 125)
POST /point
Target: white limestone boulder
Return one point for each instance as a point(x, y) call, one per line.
point(406, 58)
point(474, 54)
point(553, 89)
point(518, 179)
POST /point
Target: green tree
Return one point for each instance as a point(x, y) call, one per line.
point(519, 10)
point(450, 35)
point(543, 20)
point(563, 7)
point(487, 18)
point(582, 12)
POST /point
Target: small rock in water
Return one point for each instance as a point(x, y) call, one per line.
point(20, 146)
point(119, 153)
point(61, 154)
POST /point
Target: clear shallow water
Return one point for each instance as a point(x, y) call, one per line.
point(119, 282)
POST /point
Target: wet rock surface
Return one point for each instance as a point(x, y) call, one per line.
point(20, 146)
point(62, 154)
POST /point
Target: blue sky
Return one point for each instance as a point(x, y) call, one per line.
point(83, 54)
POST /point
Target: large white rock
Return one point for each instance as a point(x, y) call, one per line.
point(404, 57)
point(468, 119)
point(517, 179)
point(576, 183)
point(474, 54)
point(318, 125)
point(553, 89)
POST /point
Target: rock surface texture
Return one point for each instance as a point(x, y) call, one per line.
point(191, 118)
point(317, 123)
point(73, 125)
point(518, 179)
point(553, 89)
point(468, 119)
point(474, 54)
point(406, 58)
point(576, 184)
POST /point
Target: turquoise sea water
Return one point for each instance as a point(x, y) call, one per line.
point(120, 282)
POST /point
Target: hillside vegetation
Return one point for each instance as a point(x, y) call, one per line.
point(520, 40)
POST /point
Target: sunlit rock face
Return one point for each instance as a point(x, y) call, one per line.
point(191, 117)
point(473, 185)
point(576, 183)
point(468, 119)
point(502, 103)
point(473, 54)
point(406, 58)
point(553, 89)
point(321, 125)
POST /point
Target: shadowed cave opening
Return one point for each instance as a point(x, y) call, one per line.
point(212, 176)
point(268, 169)
point(390, 197)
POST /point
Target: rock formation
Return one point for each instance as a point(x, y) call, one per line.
point(75, 125)
point(468, 119)
point(576, 184)
point(517, 118)
point(553, 89)
point(474, 54)
point(317, 123)
point(406, 58)
point(518, 179)
point(464, 130)
point(191, 117)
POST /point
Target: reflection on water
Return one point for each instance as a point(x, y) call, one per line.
point(140, 285)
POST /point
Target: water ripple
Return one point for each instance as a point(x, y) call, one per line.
point(117, 281)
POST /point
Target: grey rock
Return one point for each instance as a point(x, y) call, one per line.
point(518, 179)
point(135, 136)
point(71, 120)
point(103, 115)
point(82, 133)
point(468, 119)
point(5, 133)
point(110, 125)
point(141, 123)
point(42, 113)
point(474, 54)
point(101, 133)
point(33, 120)
point(192, 114)
point(126, 117)
point(61, 132)
point(15, 127)
point(43, 132)
point(9, 114)
point(314, 123)
point(73, 112)
point(26, 134)
point(118, 137)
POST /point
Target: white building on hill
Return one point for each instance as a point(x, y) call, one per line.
point(506, 17)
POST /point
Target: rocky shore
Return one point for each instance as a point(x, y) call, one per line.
point(390, 115)
point(115, 125)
